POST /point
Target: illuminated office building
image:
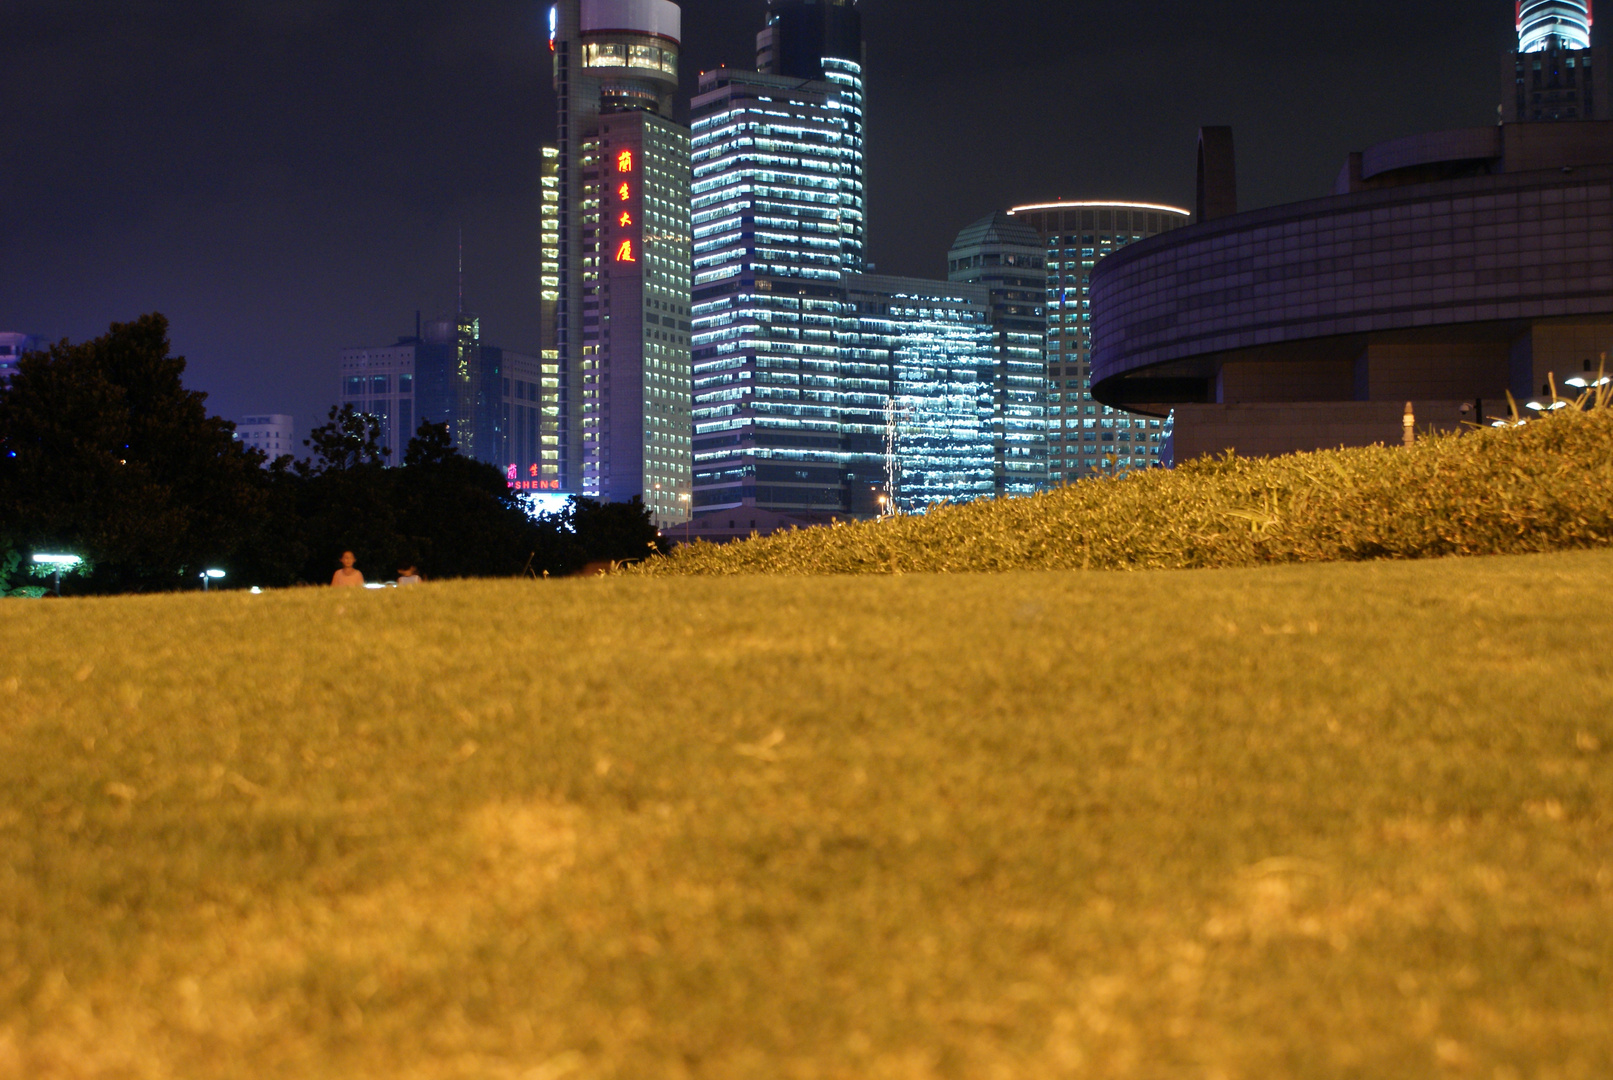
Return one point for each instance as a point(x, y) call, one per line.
point(554, 393)
point(1006, 256)
point(622, 254)
point(774, 171)
point(1556, 74)
point(1084, 437)
point(819, 390)
point(822, 40)
point(932, 342)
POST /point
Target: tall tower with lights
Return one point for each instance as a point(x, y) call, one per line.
point(1556, 74)
point(621, 313)
point(822, 41)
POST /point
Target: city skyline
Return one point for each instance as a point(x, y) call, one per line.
point(277, 220)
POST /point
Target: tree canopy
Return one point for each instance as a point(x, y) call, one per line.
point(105, 454)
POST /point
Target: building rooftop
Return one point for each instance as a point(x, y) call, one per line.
point(997, 228)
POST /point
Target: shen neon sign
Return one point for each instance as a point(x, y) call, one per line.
point(624, 161)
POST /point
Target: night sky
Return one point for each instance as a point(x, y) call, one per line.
point(284, 178)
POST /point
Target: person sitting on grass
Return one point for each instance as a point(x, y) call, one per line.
point(408, 575)
point(347, 576)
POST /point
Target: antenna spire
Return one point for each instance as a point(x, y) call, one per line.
point(462, 270)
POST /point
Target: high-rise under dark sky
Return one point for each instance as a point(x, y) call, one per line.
point(801, 34)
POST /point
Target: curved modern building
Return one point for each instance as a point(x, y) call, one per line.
point(1561, 25)
point(1447, 270)
point(1085, 436)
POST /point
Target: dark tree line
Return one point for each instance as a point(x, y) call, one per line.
point(105, 454)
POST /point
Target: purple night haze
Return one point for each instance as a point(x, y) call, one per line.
point(283, 179)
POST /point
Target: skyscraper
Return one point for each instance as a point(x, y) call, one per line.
point(1554, 73)
point(1006, 256)
point(822, 40)
point(776, 174)
point(1084, 437)
point(934, 339)
point(622, 314)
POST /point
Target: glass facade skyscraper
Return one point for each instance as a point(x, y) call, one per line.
point(822, 40)
point(1084, 437)
point(773, 165)
point(932, 342)
point(1007, 258)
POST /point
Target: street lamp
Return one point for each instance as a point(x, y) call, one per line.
point(208, 576)
point(58, 563)
point(688, 515)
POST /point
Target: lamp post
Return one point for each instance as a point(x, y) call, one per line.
point(210, 576)
point(58, 563)
point(688, 514)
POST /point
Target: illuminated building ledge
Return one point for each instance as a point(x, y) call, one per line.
point(1106, 205)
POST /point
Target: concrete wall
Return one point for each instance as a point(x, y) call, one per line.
point(1272, 429)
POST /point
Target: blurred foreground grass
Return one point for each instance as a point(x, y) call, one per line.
point(1333, 821)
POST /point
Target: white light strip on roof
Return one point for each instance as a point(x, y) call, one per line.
point(1112, 205)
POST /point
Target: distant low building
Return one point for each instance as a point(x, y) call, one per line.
point(12, 346)
point(273, 433)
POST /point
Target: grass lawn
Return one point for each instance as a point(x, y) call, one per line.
point(1345, 820)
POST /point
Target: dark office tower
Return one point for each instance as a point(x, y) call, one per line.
point(493, 400)
point(822, 40)
point(1006, 257)
point(1556, 74)
point(622, 314)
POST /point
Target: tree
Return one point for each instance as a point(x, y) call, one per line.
point(459, 515)
point(345, 498)
point(587, 531)
point(108, 456)
point(347, 440)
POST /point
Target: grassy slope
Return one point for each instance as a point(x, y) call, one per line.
point(1339, 821)
point(1539, 487)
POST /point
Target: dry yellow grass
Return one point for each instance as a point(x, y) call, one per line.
point(1336, 821)
point(1544, 486)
